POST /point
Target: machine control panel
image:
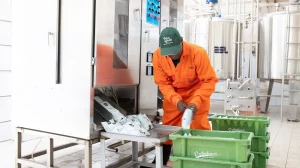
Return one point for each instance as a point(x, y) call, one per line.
point(153, 12)
point(149, 57)
point(149, 67)
point(149, 70)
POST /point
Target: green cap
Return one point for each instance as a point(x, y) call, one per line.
point(170, 41)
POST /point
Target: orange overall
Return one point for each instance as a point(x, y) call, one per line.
point(192, 80)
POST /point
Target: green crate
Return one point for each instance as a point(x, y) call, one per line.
point(182, 162)
point(260, 159)
point(260, 143)
point(256, 124)
point(218, 145)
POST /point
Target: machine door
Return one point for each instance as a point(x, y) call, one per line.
point(117, 40)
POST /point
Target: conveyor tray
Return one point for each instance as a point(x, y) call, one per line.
point(159, 134)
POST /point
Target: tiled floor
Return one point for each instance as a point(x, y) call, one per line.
point(284, 145)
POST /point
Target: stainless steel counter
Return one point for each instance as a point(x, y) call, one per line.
point(158, 135)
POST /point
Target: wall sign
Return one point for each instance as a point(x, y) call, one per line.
point(153, 12)
point(221, 49)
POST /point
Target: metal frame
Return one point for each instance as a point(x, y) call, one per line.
point(19, 161)
point(155, 138)
point(285, 60)
point(241, 95)
point(135, 153)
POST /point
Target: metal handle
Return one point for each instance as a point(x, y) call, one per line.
point(228, 84)
point(234, 109)
point(58, 80)
point(137, 14)
point(245, 97)
point(50, 42)
point(147, 35)
point(248, 80)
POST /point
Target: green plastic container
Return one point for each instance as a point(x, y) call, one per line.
point(182, 162)
point(260, 143)
point(260, 159)
point(256, 124)
point(214, 145)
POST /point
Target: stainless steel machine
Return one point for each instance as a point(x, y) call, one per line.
point(70, 54)
point(280, 55)
point(232, 45)
point(216, 36)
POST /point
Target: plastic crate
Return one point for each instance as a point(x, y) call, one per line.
point(182, 162)
point(260, 159)
point(218, 145)
point(256, 124)
point(260, 143)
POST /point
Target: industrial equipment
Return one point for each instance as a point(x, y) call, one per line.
point(215, 35)
point(70, 57)
point(232, 54)
point(279, 59)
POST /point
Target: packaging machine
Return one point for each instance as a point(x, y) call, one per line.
point(69, 55)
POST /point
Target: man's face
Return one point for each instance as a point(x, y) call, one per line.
point(176, 56)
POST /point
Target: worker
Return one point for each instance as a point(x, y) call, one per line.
point(186, 79)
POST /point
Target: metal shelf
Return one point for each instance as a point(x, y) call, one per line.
point(293, 59)
point(291, 74)
point(294, 43)
point(291, 90)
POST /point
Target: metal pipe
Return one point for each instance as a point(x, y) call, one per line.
point(250, 59)
point(242, 97)
point(239, 37)
point(243, 44)
point(227, 7)
point(283, 60)
point(220, 7)
point(247, 42)
point(43, 152)
point(256, 45)
point(271, 96)
point(234, 37)
point(244, 83)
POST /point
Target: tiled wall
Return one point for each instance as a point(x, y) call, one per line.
point(5, 69)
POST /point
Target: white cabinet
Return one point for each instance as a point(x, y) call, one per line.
point(39, 102)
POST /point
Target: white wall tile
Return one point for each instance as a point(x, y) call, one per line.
point(5, 133)
point(5, 108)
point(5, 57)
point(5, 33)
point(5, 9)
point(5, 83)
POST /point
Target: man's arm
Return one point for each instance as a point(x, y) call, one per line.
point(207, 77)
point(165, 86)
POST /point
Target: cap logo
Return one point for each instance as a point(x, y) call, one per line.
point(167, 40)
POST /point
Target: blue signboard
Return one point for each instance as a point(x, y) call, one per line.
point(153, 12)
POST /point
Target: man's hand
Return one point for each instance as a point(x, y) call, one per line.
point(193, 107)
point(181, 106)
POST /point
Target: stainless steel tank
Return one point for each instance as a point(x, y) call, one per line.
point(221, 47)
point(273, 33)
point(216, 36)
